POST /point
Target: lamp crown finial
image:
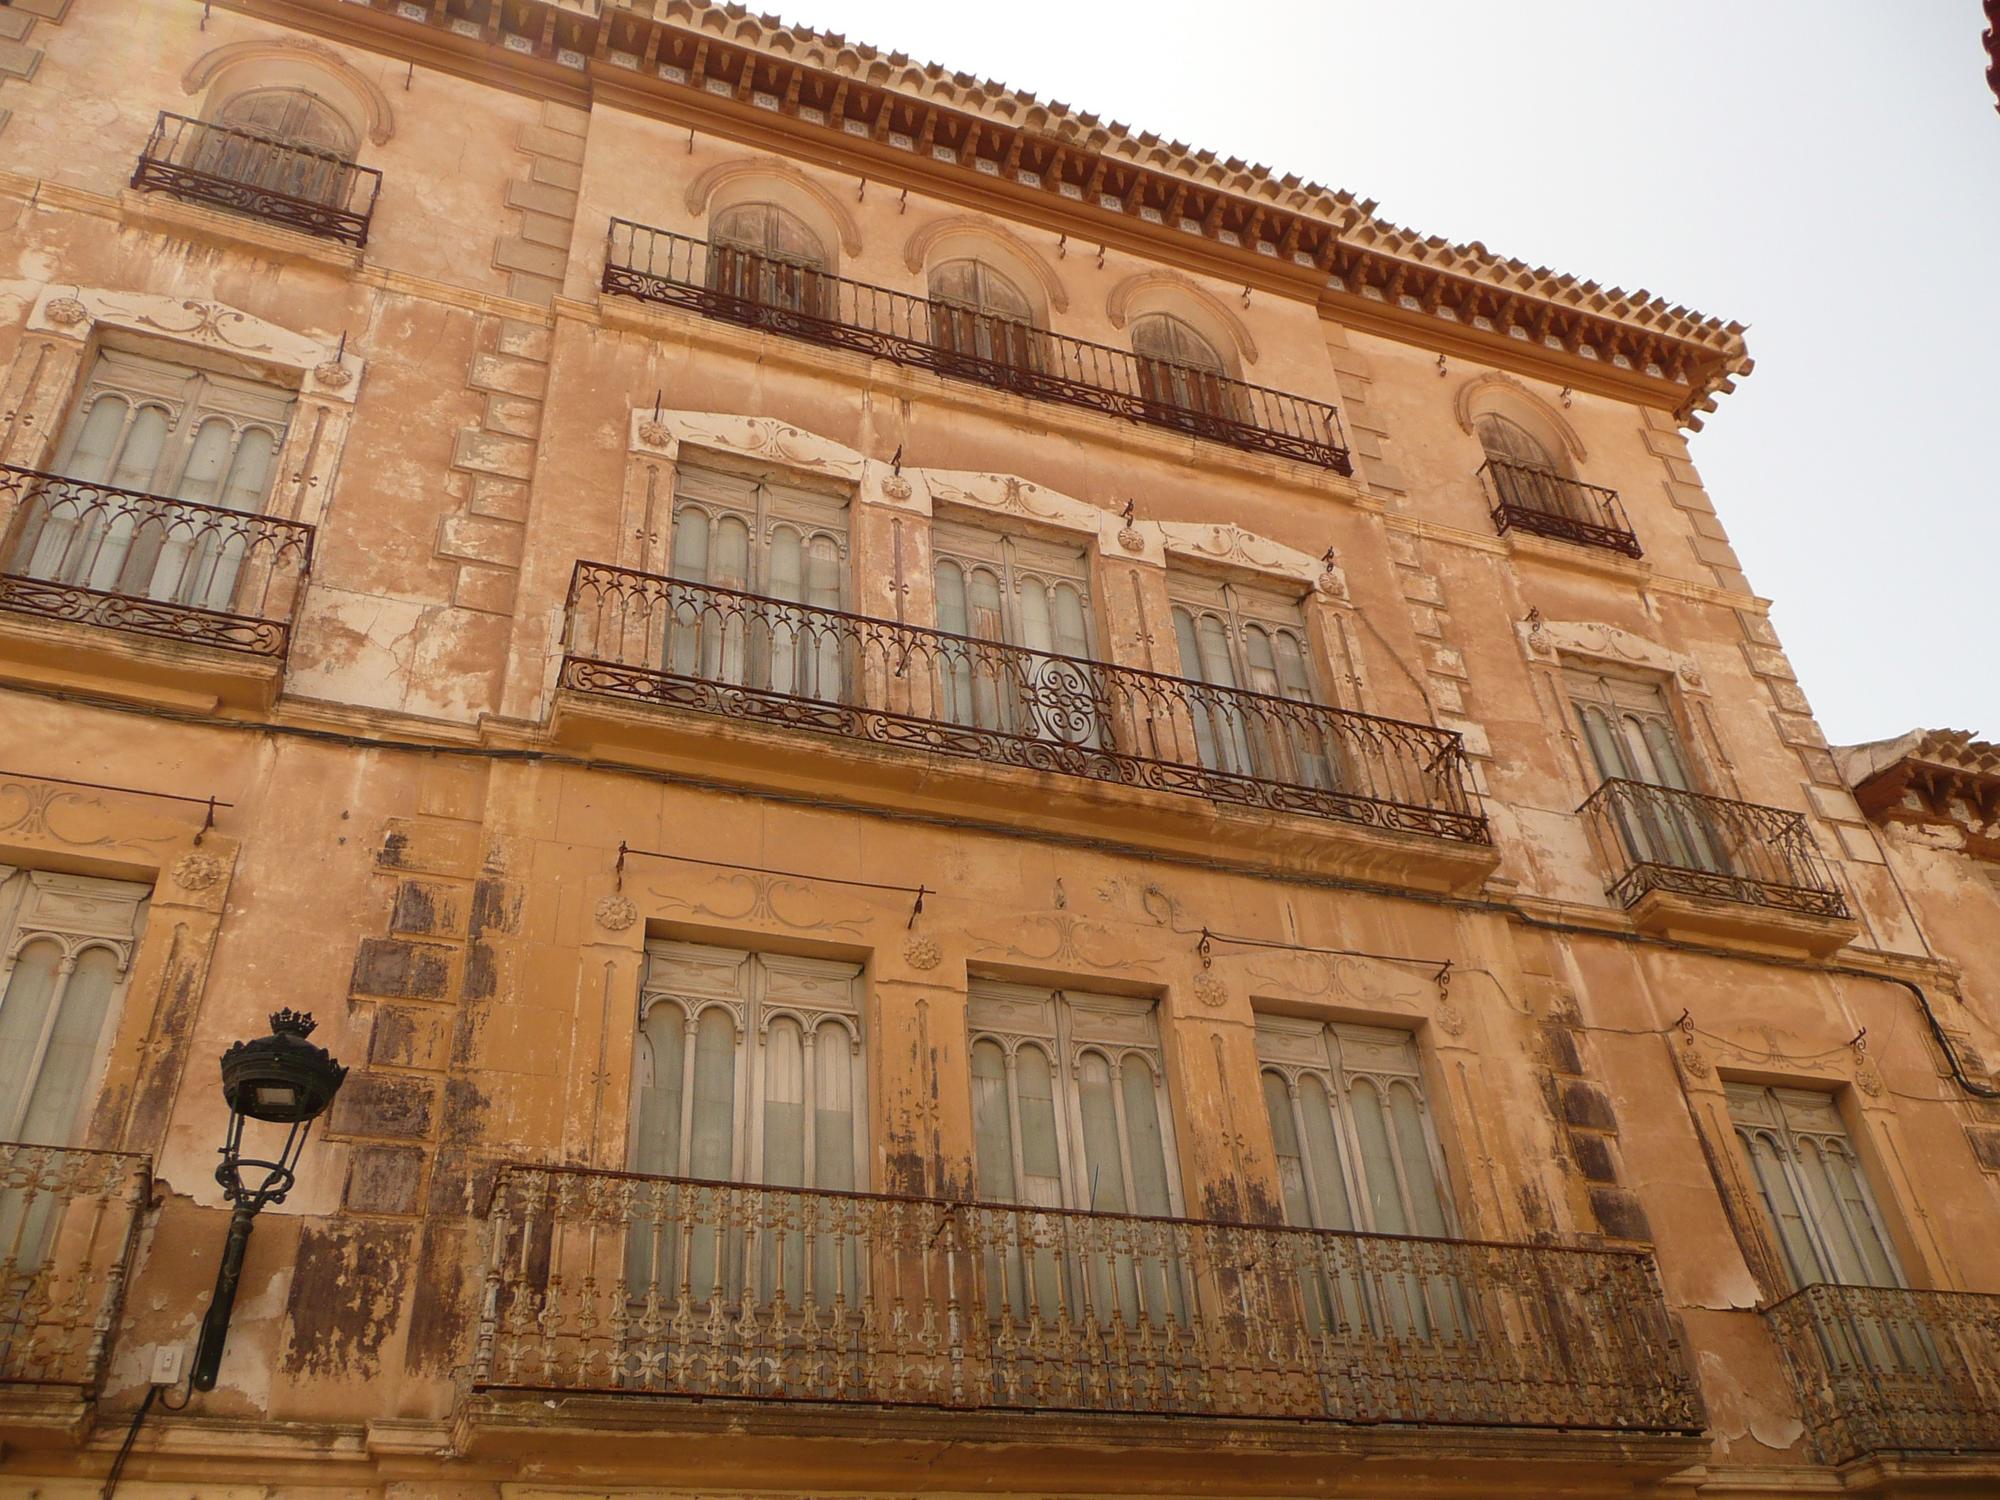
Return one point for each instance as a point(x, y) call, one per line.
point(292, 1022)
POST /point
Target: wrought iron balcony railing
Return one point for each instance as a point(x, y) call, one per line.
point(149, 564)
point(690, 645)
point(797, 299)
point(614, 1283)
point(1883, 1369)
point(68, 1222)
point(296, 187)
point(1528, 498)
point(1658, 838)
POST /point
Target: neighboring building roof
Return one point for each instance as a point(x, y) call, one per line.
point(1943, 778)
point(1992, 40)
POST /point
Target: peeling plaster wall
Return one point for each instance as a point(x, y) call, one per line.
point(420, 848)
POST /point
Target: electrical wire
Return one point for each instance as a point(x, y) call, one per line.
point(1307, 879)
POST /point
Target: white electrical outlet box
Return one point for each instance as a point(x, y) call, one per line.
point(167, 1361)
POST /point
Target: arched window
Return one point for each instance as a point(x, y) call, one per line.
point(979, 314)
point(1179, 369)
point(768, 256)
point(1528, 474)
point(280, 140)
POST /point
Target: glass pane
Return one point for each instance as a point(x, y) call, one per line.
point(691, 545)
point(1781, 1202)
point(992, 1131)
point(1072, 635)
point(1329, 1178)
point(24, 1011)
point(784, 1104)
point(1041, 1149)
point(1151, 1193)
point(1413, 1153)
point(201, 479)
point(90, 449)
point(660, 1065)
point(713, 1136)
point(951, 616)
point(1378, 1167)
point(833, 1108)
point(1291, 1156)
point(139, 459)
point(1103, 1185)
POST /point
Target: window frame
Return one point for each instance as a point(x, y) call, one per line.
point(1067, 1025)
point(752, 988)
point(1341, 1055)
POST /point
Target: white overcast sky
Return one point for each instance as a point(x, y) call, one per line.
point(1825, 171)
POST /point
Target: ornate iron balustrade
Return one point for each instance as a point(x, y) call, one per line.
point(690, 645)
point(1657, 838)
point(68, 1222)
point(1528, 498)
point(620, 1284)
point(298, 187)
point(149, 564)
point(789, 297)
point(1883, 1369)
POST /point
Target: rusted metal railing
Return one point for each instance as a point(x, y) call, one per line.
point(1658, 838)
point(615, 1283)
point(298, 187)
point(1529, 498)
point(797, 299)
point(689, 645)
point(68, 1222)
point(70, 550)
point(1884, 1369)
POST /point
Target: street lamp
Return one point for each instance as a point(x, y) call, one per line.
point(285, 1080)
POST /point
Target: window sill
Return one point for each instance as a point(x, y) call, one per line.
point(160, 211)
point(921, 783)
point(106, 662)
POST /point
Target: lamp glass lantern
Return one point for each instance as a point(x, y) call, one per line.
point(280, 1079)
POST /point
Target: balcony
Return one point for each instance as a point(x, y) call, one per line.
point(664, 643)
point(201, 597)
point(1545, 503)
point(787, 297)
point(68, 1222)
point(1688, 864)
point(665, 1292)
point(1882, 1370)
point(294, 187)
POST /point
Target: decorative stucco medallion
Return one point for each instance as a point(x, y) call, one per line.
point(332, 374)
point(1130, 540)
point(66, 312)
point(195, 871)
point(896, 487)
point(1450, 1019)
point(1867, 1079)
point(616, 913)
point(654, 434)
point(1332, 583)
point(1210, 991)
point(921, 953)
point(1690, 675)
point(1692, 1062)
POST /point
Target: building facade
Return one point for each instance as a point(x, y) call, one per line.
point(981, 803)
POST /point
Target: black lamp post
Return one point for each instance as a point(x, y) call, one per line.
point(285, 1080)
